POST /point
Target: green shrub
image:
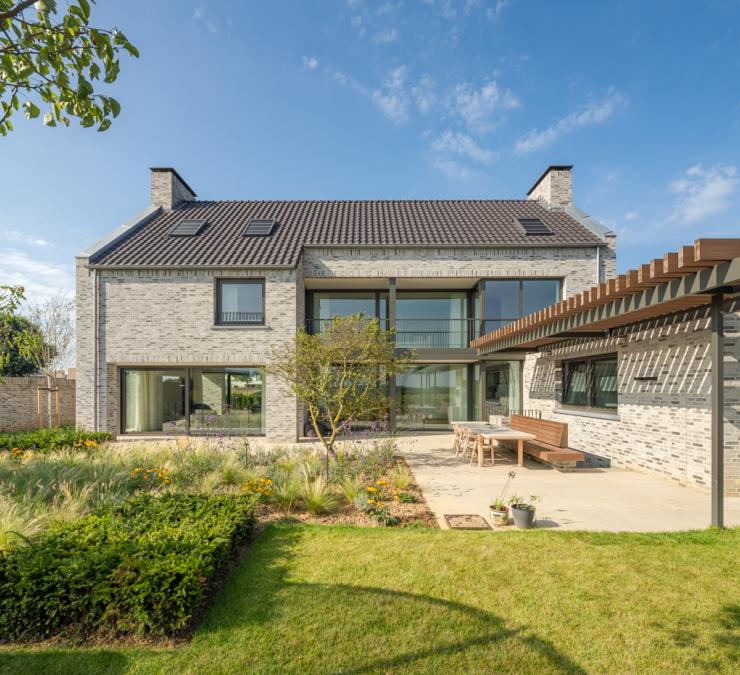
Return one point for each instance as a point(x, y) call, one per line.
point(45, 440)
point(351, 487)
point(400, 477)
point(317, 496)
point(142, 567)
point(286, 493)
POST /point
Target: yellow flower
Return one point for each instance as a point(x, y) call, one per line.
point(372, 489)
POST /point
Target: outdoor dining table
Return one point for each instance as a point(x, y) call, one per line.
point(500, 434)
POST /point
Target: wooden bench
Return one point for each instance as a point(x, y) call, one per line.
point(551, 442)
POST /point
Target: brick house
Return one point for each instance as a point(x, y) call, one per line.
point(178, 309)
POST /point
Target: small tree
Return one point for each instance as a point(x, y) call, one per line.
point(10, 298)
point(340, 374)
point(51, 345)
point(12, 362)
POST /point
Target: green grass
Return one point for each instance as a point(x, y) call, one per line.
point(312, 599)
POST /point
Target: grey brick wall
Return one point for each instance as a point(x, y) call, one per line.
point(663, 427)
point(555, 188)
point(577, 266)
point(19, 403)
point(166, 318)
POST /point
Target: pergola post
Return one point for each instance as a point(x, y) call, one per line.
point(718, 410)
point(392, 326)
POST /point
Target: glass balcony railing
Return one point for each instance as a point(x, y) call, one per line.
point(422, 333)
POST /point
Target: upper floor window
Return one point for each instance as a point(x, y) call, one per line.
point(591, 383)
point(506, 300)
point(240, 302)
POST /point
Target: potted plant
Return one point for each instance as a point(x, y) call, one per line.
point(523, 511)
point(498, 508)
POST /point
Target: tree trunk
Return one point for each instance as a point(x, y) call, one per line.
point(49, 416)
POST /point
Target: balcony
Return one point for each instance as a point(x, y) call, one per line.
point(240, 318)
point(422, 333)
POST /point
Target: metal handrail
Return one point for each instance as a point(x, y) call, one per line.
point(242, 318)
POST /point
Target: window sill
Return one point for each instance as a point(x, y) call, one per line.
point(239, 327)
point(585, 412)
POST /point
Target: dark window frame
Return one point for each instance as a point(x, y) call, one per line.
point(217, 285)
point(588, 362)
point(188, 384)
point(484, 320)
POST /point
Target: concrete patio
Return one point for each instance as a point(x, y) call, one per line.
point(587, 499)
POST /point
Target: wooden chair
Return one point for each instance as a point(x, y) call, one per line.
point(486, 442)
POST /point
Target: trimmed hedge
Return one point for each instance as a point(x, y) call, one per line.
point(44, 440)
point(142, 567)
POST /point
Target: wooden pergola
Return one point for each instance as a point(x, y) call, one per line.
point(705, 274)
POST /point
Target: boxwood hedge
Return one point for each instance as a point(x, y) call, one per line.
point(143, 567)
point(44, 440)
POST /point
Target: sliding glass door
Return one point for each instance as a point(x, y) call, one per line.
point(227, 400)
point(154, 401)
point(503, 388)
point(432, 396)
point(220, 401)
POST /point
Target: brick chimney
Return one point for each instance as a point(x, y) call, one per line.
point(169, 189)
point(554, 187)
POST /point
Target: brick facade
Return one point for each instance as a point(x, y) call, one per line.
point(19, 403)
point(661, 427)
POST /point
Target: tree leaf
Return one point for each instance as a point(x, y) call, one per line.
point(32, 110)
point(49, 120)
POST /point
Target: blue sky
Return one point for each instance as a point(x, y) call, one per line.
point(410, 99)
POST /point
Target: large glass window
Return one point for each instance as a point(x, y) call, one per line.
point(591, 383)
point(227, 400)
point(221, 400)
point(506, 300)
point(326, 305)
point(240, 302)
point(153, 401)
point(431, 319)
point(432, 396)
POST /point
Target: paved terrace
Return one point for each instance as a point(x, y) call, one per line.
point(587, 499)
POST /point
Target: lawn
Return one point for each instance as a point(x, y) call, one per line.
point(318, 599)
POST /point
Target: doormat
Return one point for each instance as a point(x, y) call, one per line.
point(467, 521)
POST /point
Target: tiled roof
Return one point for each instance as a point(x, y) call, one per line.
point(338, 223)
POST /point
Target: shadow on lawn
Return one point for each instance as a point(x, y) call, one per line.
point(45, 661)
point(352, 628)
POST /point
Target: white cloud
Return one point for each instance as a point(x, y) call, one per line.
point(423, 93)
point(457, 143)
point(22, 238)
point(386, 35)
point(701, 193)
point(41, 279)
point(310, 62)
point(391, 99)
point(199, 13)
point(452, 168)
point(593, 113)
point(477, 106)
point(494, 12)
point(631, 215)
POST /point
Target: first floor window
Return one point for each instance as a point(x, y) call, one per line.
point(240, 302)
point(591, 383)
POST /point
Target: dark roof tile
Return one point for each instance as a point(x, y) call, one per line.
point(335, 223)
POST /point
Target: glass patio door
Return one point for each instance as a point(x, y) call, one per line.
point(503, 388)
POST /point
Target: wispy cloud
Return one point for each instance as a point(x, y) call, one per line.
point(631, 215)
point(494, 12)
point(481, 108)
point(41, 279)
point(701, 192)
point(424, 94)
point(310, 62)
point(452, 168)
point(199, 14)
point(593, 113)
point(457, 143)
point(19, 237)
point(392, 99)
point(386, 35)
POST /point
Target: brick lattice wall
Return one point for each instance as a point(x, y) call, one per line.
point(19, 403)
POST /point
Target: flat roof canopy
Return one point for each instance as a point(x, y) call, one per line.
point(681, 280)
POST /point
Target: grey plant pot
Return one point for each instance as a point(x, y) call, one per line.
point(523, 518)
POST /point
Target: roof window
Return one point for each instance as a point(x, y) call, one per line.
point(259, 227)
